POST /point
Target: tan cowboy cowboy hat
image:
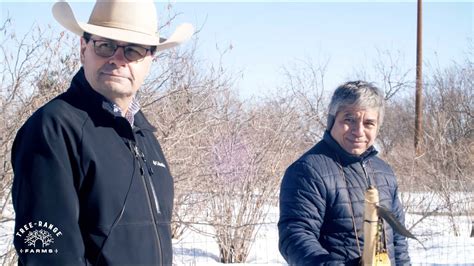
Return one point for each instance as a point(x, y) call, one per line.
point(121, 20)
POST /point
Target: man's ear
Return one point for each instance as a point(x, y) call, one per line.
point(83, 49)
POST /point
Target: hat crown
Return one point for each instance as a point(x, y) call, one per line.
point(122, 20)
point(137, 16)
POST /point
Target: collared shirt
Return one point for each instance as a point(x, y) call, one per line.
point(130, 114)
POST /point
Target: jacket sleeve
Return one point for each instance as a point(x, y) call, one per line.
point(44, 195)
point(399, 241)
point(302, 209)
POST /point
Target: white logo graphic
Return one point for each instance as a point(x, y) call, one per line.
point(157, 163)
point(39, 237)
point(43, 236)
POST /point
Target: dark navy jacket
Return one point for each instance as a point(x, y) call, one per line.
point(89, 189)
point(315, 226)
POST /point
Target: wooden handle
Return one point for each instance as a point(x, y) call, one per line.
point(370, 226)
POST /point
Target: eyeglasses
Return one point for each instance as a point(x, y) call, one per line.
point(132, 52)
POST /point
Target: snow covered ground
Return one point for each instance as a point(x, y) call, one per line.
point(442, 247)
point(435, 232)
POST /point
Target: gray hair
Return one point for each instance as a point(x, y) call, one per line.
point(360, 94)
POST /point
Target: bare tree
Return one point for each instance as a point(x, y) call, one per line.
point(248, 152)
point(387, 72)
point(182, 101)
point(445, 170)
point(450, 136)
point(305, 79)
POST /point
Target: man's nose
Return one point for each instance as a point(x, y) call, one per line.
point(358, 129)
point(118, 58)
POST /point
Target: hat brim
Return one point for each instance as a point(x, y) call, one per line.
point(62, 12)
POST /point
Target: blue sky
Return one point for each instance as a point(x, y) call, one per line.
point(268, 35)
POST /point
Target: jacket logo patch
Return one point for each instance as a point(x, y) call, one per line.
point(160, 164)
point(39, 237)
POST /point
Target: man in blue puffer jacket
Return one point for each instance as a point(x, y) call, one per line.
point(322, 193)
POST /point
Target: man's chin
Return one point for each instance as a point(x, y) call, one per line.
point(357, 151)
point(117, 87)
point(111, 80)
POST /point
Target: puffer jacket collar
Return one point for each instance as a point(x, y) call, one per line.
point(345, 157)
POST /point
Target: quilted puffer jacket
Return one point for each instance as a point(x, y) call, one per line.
point(322, 197)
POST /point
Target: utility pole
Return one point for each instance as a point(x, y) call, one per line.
point(419, 84)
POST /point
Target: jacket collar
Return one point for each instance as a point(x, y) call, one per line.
point(92, 101)
point(345, 157)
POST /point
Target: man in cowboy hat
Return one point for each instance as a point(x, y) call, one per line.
point(91, 183)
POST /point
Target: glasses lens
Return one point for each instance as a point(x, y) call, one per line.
point(108, 48)
point(134, 53)
point(104, 48)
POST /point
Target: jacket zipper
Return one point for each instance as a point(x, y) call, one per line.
point(148, 185)
point(367, 179)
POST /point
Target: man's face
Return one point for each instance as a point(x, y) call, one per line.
point(114, 77)
point(355, 129)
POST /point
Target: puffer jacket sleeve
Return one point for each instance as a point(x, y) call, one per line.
point(302, 209)
point(399, 241)
point(44, 194)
